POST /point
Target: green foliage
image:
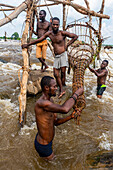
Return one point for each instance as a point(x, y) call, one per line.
point(15, 36)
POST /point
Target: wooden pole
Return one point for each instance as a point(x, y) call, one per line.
point(100, 26)
point(22, 96)
point(12, 9)
point(5, 36)
point(7, 5)
point(90, 21)
point(64, 17)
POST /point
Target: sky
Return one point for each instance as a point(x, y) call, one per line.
point(17, 25)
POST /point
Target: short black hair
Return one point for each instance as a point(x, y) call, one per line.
point(56, 18)
point(46, 81)
point(106, 61)
point(43, 12)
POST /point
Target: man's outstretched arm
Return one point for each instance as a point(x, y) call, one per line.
point(96, 72)
point(64, 109)
point(36, 41)
point(91, 69)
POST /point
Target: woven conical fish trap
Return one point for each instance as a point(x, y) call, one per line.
point(80, 56)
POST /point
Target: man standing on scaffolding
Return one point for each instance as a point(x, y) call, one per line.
point(41, 47)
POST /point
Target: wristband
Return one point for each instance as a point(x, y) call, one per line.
point(73, 98)
point(76, 94)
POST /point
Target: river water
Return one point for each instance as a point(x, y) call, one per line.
point(72, 143)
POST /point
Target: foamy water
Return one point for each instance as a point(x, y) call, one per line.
point(72, 143)
point(105, 141)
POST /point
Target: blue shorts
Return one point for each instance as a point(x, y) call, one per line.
point(101, 89)
point(43, 150)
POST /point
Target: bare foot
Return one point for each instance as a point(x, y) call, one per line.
point(42, 70)
point(61, 94)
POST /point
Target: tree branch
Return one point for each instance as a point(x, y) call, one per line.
point(15, 13)
point(79, 7)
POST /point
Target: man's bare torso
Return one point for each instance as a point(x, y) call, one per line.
point(42, 28)
point(45, 124)
point(58, 42)
point(101, 80)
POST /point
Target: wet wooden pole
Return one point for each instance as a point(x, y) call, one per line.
point(22, 96)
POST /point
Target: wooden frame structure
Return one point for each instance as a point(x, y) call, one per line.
point(81, 56)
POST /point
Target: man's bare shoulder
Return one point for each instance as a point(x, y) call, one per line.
point(106, 71)
point(61, 32)
point(42, 102)
point(48, 33)
point(47, 22)
point(64, 32)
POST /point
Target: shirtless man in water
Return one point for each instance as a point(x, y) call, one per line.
point(101, 74)
point(58, 41)
point(46, 118)
point(41, 48)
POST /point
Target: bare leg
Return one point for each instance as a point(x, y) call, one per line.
point(63, 75)
point(59, 82)
point(50, 158)
point(44, 49)
point(99, 96)
point(43, 64)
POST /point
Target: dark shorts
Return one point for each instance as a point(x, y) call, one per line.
point(101, 89)
point(43, 150)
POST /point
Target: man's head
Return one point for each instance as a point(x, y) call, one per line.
point(48, 85)
point(42, 15)
point(55, 24)
point(104, 64)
